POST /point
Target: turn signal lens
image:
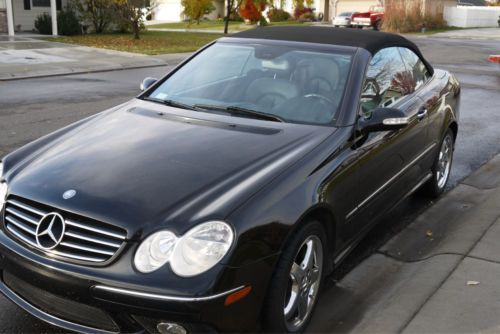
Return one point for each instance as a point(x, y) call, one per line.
point(235, 296)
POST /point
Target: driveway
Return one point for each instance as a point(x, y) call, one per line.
point(27, 57)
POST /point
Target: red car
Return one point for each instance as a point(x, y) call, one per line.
point(372, 18)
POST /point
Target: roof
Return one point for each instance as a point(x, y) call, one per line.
point(370, 40)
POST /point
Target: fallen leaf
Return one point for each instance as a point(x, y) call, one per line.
point(472, 283)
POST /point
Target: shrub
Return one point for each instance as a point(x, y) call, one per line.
point(300, 11)
point(43, 23)
point(99, 13)
point(68, 22)
point(407, 16)
point(309, 16)
point(196, 9)
point(278, 15)
point(235, 16)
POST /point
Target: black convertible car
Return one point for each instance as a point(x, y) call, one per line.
point(220, 197)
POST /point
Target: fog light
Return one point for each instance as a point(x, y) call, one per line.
point(170, 328)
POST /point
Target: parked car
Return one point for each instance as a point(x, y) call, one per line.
point(343, 19)
point(222, 195)
point(372, 18)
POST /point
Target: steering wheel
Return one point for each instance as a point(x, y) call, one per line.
point(318, 96)
point(323, 81)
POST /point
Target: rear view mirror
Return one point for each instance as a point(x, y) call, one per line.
point(383, 119)
point(147, 82)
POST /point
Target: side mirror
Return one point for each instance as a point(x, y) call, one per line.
point(148, 82)
point(383, 119)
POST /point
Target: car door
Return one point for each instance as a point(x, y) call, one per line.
point(387, 160)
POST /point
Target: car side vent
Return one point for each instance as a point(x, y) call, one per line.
point(63, 234)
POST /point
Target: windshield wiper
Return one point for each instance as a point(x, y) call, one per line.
point(173, 103)
point(236, 110)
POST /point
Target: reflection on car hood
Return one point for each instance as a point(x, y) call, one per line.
point(146, 163)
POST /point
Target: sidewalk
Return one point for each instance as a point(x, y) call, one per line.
point(26, 57)
point(439, 275)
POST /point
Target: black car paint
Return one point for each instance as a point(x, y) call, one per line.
point(286, 175)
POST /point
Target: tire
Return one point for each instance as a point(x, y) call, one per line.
point(284, 313)
point(377, 25)
point(441, 168)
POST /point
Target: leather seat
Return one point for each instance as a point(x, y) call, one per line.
point(270, 92)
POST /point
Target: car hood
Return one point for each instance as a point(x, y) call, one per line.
point(146, 163)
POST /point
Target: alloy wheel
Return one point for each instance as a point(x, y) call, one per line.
point(304, 283)
point(444, 161)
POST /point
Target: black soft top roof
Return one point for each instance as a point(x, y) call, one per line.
point(370, 40)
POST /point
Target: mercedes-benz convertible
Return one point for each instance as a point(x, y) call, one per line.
point(221, 196)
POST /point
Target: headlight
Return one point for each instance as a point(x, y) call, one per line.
point(3, 194)
point(201, 248)
point(197, 251)
point(3, 188)
point(155, 251)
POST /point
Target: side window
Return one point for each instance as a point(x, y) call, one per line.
point(420, 73)
point(387, 81)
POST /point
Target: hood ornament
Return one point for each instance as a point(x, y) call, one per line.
point(69, 194)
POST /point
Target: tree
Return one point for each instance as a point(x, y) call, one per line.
point(98, 12)
point(132, 13)
point(196, 9)
point(252, 9)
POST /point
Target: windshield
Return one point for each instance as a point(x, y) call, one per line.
point(281, 83)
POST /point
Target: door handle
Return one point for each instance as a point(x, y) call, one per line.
point(422, 113)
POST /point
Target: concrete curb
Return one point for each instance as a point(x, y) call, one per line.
point(37, 76)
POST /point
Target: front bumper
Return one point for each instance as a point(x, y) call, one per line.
point(46, 289)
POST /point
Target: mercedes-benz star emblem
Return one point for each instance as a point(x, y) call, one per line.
point(50, 231)
point(69, 194)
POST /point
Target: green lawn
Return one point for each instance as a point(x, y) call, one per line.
point(206, 25)
point(217, 25)
point(151, 42)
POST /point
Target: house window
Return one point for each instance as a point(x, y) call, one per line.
point(41, 3)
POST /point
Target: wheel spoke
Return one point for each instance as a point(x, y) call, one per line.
point(314, 275)
point(290, 309)
point(302, 305)
point(308, 260)
point(297, 273)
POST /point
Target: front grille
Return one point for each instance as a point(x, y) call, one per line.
point(83, 239)
point(60, 307)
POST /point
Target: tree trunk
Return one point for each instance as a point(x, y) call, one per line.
point(228, 13)
point(135, 30)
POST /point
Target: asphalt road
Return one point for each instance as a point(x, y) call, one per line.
point(32, 108)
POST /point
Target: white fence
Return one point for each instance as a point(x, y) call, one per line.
point(468, 17)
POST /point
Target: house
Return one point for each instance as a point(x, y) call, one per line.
point(171, 10)
point(339, 6)
point(20, 15)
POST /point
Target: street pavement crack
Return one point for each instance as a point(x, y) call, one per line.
point(420, 259)
point(447, 276)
